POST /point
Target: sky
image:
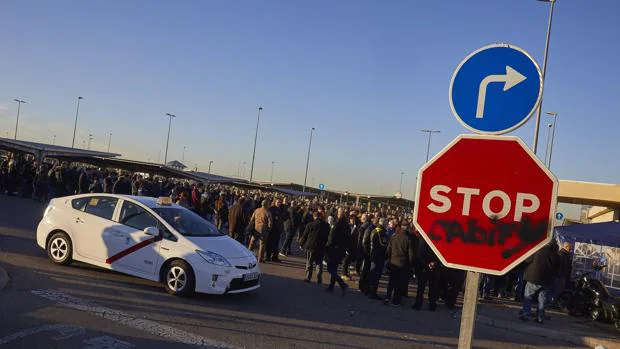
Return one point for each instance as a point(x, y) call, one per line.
point(368, 75)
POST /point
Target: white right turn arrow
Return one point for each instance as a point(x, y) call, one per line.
point(511, 79)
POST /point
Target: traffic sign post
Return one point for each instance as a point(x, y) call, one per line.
point(322, 186)
point(495, 89)
point(486, 203)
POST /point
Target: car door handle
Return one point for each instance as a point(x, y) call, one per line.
point(78, 220)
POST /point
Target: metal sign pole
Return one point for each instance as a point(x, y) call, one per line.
point(468, 317)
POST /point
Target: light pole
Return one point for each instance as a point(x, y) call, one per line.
point(90, 139)
point(308, 160)
point(544, 73)
point(273, 164)
point(245, 162)
point(109, 141)
point(170, 116)
point(428, 146)
point(54, 140)
point(210, 162)
point(77, 112)
point(400, 190)
point(549, 126)
point(19, 106)
point(555, 118)
point(260, 109)
point(183, 155)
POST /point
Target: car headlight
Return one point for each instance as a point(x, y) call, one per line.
point(214, 258)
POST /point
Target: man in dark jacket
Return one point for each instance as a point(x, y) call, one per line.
point(337, 244)
point(539, 273)
point(236, 220)
point(565, 267)
point(84, 183)
point(378, 248)
point(364, 248)
point(428, 274)
point(290, 226)
point(351, 252)
point(401, 257)
point(122, 186)
point(313, 240)
point(279, 214)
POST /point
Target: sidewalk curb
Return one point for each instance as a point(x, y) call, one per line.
point(4, 278)
point(546, 332)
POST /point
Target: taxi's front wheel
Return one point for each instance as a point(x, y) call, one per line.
point(179, 279)
point(60, 249)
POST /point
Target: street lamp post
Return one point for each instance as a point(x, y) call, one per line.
point(183, 155)
point(90, 139)
point(77, 112)
point(400, 188)
point(555, 118)
point(308, 160)
point(19, 105)
point(170, 116)
point(54, 140)
point(428, 146)
point(210, 162)
point(109, 141)
point(544, 73)
point(245, 162)
point(255, 138)
point(273, 164)
point(549, 126)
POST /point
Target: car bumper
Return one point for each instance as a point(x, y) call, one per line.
point(218, 280)
point(43, 229)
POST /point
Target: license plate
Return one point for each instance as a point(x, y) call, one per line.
point(251, 276)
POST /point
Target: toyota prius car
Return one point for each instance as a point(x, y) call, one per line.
point(150, 238)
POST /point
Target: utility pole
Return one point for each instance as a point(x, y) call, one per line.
point(308, 160)
point(77, 112)
point(428, 146)
point(19, 106)
point(260, 109)
point(170, 116)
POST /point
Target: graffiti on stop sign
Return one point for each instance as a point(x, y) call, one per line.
point(474, 233)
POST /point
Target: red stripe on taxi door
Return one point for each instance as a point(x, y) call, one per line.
point(130, 250)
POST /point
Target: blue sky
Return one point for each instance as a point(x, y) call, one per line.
point(367, 74)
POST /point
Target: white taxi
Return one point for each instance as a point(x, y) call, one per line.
point(149, 238)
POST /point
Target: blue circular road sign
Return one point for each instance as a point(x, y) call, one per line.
point(321, 186)
point(495, 89)
point(559, 216)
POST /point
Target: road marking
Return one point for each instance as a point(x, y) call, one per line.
point(510, 79)
point(64, 332)
point(152, 327)
point(106, 342)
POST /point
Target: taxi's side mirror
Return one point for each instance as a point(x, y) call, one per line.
point(153, 231)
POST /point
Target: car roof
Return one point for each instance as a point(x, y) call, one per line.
point(147, 201)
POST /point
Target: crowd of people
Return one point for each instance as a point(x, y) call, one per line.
point(348, 240)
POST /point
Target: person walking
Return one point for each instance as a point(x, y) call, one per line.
point(337, 244)
point(278, 215)
point(428, 275)
point(313, 240)
point(236, 220)
point(364, 245)
point(540, 271)
point(351, 252)
point(378, 248)
point(291, 225)
point(401, 257)
point(263, 222)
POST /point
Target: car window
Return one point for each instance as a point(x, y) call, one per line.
point(186, 222)
point(136, 217)
point(101, 206)
point(79, 204)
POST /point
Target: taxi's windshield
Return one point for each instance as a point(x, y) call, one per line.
point(186, 222)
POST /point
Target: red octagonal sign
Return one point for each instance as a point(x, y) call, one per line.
point(485, 203)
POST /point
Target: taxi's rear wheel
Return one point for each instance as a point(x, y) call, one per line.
point(60, 249)
point(179, 279)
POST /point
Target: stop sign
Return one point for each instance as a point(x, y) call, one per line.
point(485, 203)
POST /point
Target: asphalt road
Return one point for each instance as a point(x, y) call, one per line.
point(49, 306)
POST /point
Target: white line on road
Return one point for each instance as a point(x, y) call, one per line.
point(145, 325)
point(64, 332)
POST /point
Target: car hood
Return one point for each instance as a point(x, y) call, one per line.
point(222, 245)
